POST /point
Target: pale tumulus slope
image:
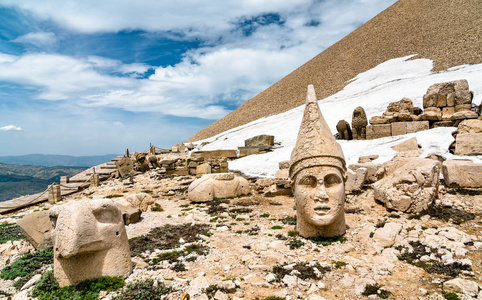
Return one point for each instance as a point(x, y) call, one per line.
point(446, 31)
point(373, 90)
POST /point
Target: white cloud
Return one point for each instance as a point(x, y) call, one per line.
point(207, 80)
point(39, 39)
point(10, 128)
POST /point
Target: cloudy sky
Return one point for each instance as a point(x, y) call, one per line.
point(84, 77)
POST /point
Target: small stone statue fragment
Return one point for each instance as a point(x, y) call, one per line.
point(89, 240)
point(359, 124)
point(318, 175)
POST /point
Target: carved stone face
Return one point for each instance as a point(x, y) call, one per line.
point(320, 195)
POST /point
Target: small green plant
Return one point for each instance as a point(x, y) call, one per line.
point(338, 264)
point(47, 288)
point(327, 241)
point(238, 231)
point(451, 296)
point(374, 289)
point(240, 219)
point(277, 227)
point(274, 298)
point(265, 215)
point(144, 290)
point(289, 220)
point(10, 232)
point(372, 234)
point(394, 216)
point(113, 196)
point(295, 244)
point(293, 233)
point(157, 207)
point(26, 266)
point(281, 237)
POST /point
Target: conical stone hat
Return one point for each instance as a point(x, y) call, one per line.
point(315, 145)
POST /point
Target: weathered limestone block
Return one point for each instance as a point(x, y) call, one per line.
point(246, 151)
point(367, 158)
point(463, 107)
point(462, 115)
point(371, 167)
point(215, 153)
point(409, 153)
point(431, 114)
point(355, 180)
point(282, 177)
point(408, 185)
point(54, 195)
point(36, 227)
point(417, 126)
point(203, 169)
point(176, 148)
point(462, 97)
point(378, 131)
point(260, 140)
point(378, 120)
point(433, 99)
point(359, 123)
point(89, 241)
point(470, 126)
point(408, 145)
point(143, 201)
point(443, 124)
point(468, 144)
point(462, 173)
point(220, 185)
point(125, 166)
point(399, 128)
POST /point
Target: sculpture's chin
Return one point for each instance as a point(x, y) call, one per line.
point(323, 217)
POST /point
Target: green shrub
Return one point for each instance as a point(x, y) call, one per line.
point(113, 196)
point(10, 232)
point(295, 244)
point(156, 207)
point(47, 288)
point(144, 290)
point(451, 296)
point(327, 241)
point(265, 215)
point(293, 233)
point(277, 227)
point(26, 266)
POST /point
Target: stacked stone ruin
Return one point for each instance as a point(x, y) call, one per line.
point(445, 104)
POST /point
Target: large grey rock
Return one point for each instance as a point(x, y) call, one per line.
point(222, 185)
point(89, 241)
point(36, 227)
point(408, 185)
point(462, 173)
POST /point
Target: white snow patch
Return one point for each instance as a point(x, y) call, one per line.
point(373, 90)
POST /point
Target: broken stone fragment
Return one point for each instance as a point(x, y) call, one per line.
point(408, 145)
point(36, 227)
point(408, 184)
point(462, 173)
point(222, 185)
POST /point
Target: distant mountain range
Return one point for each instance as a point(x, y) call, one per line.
point(48, 160)
point(17, 180)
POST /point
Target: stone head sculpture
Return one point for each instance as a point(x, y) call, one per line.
point(89, 240)
point(317, 172)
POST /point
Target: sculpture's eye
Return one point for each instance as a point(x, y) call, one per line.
point(106, 214)
point(331, 180)
point(308, 181)
point(53, 220)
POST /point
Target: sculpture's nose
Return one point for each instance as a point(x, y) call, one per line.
point(321, 193)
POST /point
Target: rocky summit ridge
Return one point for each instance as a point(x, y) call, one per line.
point(447, 32)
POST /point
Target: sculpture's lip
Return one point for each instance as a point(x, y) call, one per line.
point(321, 209)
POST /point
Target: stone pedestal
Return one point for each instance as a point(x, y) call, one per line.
point(95, 180)
point(54, 193)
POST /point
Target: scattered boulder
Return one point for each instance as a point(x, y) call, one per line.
point(408, 185)
point(367, 158)
point(359, 123)
point(89, 240)
point(260, 140)
point(372, 169)
point(462, 173)
point(221, 185)
point(143, 201)
point(344, 130)
point(125, 166)
point(36, 227)
point(355, 180)
point(468, 287)
point(130, 215)
point(203, 169)
point(408, 145)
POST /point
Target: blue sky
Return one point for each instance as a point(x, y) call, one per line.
point(95, 77)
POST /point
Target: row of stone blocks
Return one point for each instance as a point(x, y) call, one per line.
point(397, 128)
